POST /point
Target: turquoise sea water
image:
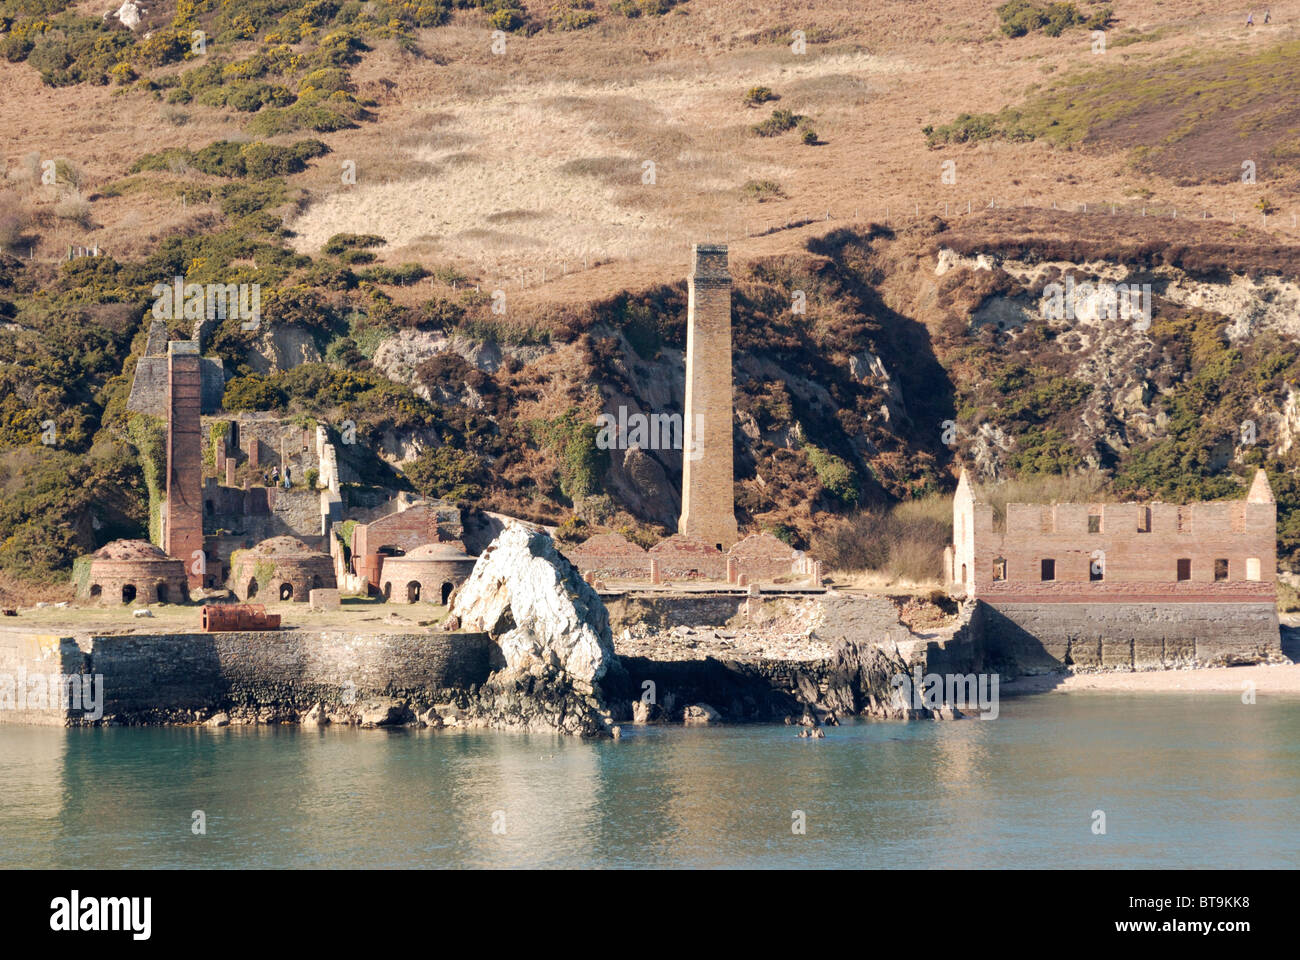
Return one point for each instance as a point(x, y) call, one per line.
point(1183, 780)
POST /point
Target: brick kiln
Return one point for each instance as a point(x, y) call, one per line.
point(134, 571)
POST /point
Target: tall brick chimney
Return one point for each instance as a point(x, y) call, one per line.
point(183, 517)
point(708, 505)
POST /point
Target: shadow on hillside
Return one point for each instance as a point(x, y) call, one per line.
point(904, 344)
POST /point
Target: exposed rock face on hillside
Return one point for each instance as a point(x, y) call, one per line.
point(1129, 364)
point(400, 355)
point(282, 347)
point(551, 631)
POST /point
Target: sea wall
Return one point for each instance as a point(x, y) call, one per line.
point(160, 678)
point(1040, 637)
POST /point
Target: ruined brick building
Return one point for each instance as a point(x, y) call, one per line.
point(1120, 583)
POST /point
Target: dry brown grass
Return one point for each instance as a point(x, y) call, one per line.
point(1087, 486)
point(466, 137)
point(15, 592)
point(899, 545)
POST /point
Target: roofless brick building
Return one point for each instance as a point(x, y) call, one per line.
point(1121, 583)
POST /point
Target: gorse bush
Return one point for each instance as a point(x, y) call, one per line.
point(1019, 17)
point(227, 159)
point(779, 122)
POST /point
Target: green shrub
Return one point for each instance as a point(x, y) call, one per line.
point(779, 122)
point(757, 95)
point(763, 190)
point(582, 462)
point(446, 473)
point(835, 474)
point(340, 242)
point(252, 392)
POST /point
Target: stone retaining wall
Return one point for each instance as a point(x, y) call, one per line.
point(175, 677)
point(1038, 637)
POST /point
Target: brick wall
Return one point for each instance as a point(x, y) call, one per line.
point(1117, 551)
point(183, 517)
point(761, 556)
point(610, 556)
point(708, 495)
point(688, 558)
point(432, 522)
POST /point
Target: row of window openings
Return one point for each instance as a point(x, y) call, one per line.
point(1097, 569)
point(1143, 522)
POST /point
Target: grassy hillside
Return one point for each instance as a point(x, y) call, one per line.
point(382, 171)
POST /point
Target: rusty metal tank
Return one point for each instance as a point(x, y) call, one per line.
point(238, 616)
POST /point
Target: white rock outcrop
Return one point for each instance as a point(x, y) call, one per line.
point(128, 14)
point(537, 608)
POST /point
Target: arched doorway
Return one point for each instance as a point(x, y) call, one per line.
point(316, 583)
point(286, 591)
point(161, 590)
point(96, 591)
point(128, 593)
point(413, 592)
point(252, 588)
point(388, 590)
point(446, 592)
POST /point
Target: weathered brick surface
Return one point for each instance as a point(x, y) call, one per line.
point(427, 574)
point(692, 610)
point(708, 496)
point(281, 568)
point(134, 571)
point(761, 556)
point(688, 558)
point(1136, 547)
point(432, 522)
point(183, 514)
point(149, 386)
point(611, 557)
point(323, 599)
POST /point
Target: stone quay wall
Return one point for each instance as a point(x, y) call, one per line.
point(161, 678)
point(1037, 637)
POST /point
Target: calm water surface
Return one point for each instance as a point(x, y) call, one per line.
point(1184, 781)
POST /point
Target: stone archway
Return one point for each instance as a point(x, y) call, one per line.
point(160, 592)
point(446, 592)
point(252, 588)
point(128, 593)
point(413, 592)
point(96, 591)
point(388, 590)
point(286, 591)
